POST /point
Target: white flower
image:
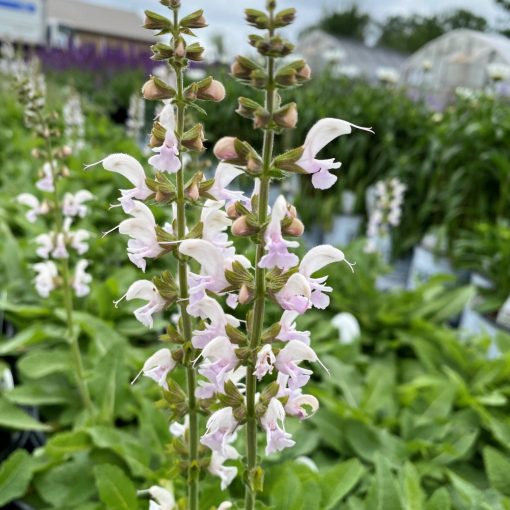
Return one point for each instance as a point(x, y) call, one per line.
point(225, 473)
point(36, 208)
point(73, 205)
point(141, 228)
point(165, 499)
point(315, 260)
point(78, 240)
point(81, 279)
point(273, 424)
point(265, 361)
point(215, 221)
point(132, 170)
point(220, 432)
point(225, 174)
point(388, 75)
point(320, 135)
point(46, 182)
point(45, 280)
point(60, 250)
point(45, 242)
point(158, 365)
point(348, 327)
point(146, 291)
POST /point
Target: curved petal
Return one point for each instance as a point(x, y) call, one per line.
point(325, 131)
point(126, 166)
point(296, 351)
point(142, 289)
point(219, 348)
point(205, 253)
point(319, 257)
point(28, 199)
point(297, 285)
point(209, 308)
point(226, 173)
point(161, 358)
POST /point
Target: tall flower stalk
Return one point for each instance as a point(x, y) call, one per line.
point(247, 372)
point(55, 246)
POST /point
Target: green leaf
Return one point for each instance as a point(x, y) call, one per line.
point(440, 500)
point(116, 490)
point(12, 417)
point(287, 492)
point(413, 494)
point(498, 470)
point(68, 442)
point(383, 493)
point(339, 481)
point(32, 335)
point(40, 363)
point(15, 475)
point(40, 395)
point(67, 485)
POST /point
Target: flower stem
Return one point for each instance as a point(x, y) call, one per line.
point(72, 337)
point(193, 467)
point(260, 299)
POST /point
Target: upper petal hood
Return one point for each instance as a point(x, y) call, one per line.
point(319, 257)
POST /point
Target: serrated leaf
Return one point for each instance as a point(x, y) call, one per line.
point(15, 475)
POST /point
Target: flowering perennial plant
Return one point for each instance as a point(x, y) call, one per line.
point(61, 243)
point(243, 374)
point(386, 213)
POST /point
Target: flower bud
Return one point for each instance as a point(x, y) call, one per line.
point(247, 107)
point(257, 19)
point(243, 67)
point(194, 20)
point(155, 21)
point(195, 52)
point(261, 119)
point(194, 138)
point(241, 227)
point(158, 134)
point(304, 74)
point(214, 91)
point(65, 172)
point(232, 211)
point(245, 295)
point(258, 79)
point(225, 148)
point(254, 164)
point(36, 153)
point(173, 4)
point(193, 191)
point(156, 89)
point(180, 48)
point(285, 17)
point(66, 151)
point(287, 116)
point(295, 229)
point(291, 211)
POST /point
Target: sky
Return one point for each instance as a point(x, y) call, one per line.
point(226, 16)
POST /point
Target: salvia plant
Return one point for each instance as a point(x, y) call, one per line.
point(61, 243)
point(386, 212)
point(242, 373)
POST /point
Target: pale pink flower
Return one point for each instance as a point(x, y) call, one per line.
point(313, 261)
point(295, 295)
point(179, 429)
point(141, 228)
point(225, 174)
point(225, 473)
point(320, 135)
point(220, 359)
point(209, 309)
point(81, 279)
point(277, 438)
point(146, 291)
point(215, 222)
point(158, 366)
point(288, 329)
point(288, 360)
point(78, 240)
point(36, 208)
point(46, 278)
point(73, 204)
point(59, 249)
point(220, 432)
point(275, 245)
point(167, 157)
point(46, 182)
point(45, 242)
point(297, 404)
point(265, 361)
point(164, 499)
point(132, 170)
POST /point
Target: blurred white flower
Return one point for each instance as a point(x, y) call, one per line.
point(46, 278)
point(74, 204)
point(388, 75)
point(498, 71)
point(36, 208)
point(347, 326)
point(81, 279)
